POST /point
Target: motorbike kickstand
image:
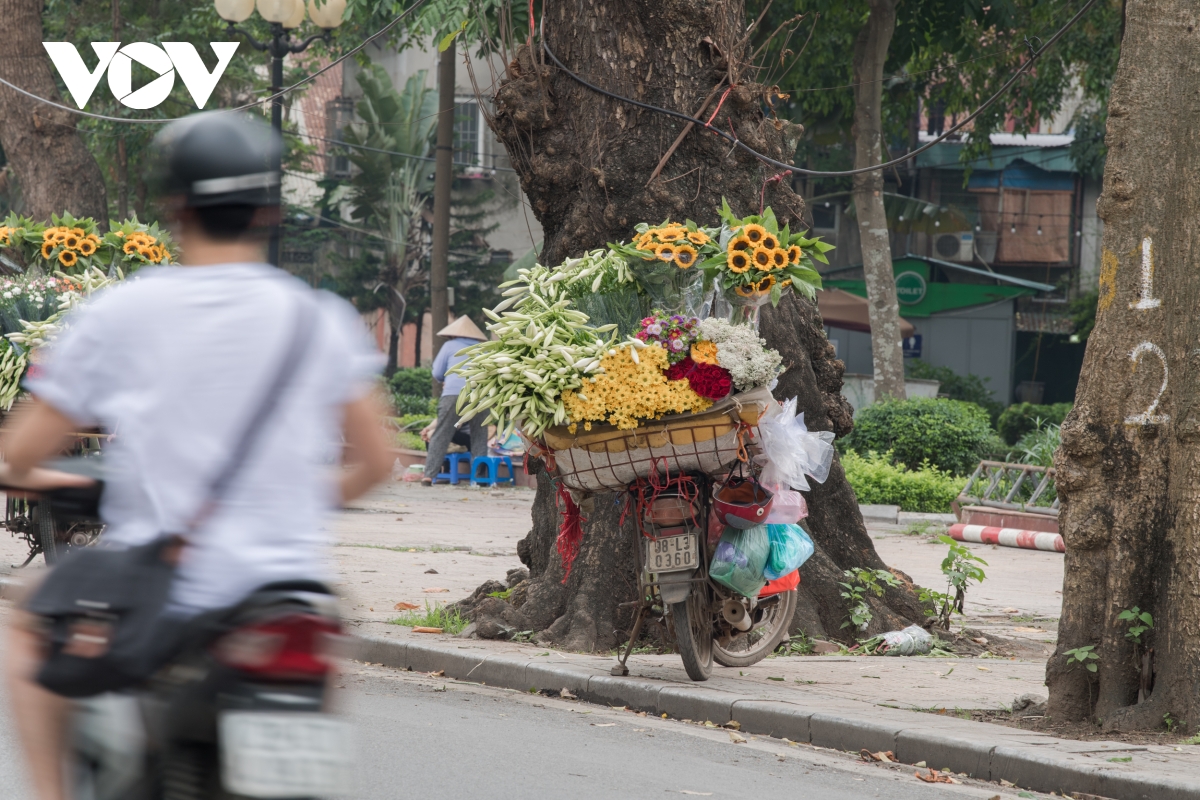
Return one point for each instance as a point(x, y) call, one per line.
point(620, 670)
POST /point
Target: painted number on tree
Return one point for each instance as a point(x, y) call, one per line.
point(1150, 416)
point(1147, 299)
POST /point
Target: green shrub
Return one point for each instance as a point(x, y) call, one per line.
point(968, 388)
point(409, 404)
point(408, 440)
point(1021, 418)
point(876, 480)
point(948, 434)
point(416, 381)
point(1037, 446)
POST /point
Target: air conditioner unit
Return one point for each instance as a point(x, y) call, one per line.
point(955, 246)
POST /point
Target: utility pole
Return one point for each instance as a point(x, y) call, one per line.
point(443, 178)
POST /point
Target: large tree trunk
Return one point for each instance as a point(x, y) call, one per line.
point(870, 53)
point(584, 161)
point(1129, 465)
point(54, 167)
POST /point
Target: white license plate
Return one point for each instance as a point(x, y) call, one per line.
point(267, 754)
point(672, 553)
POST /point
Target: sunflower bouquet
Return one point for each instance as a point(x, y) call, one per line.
point(662, 259)
point(75, 245)
point(756, 259)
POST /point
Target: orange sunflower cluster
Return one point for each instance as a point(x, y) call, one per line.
point(629, 391)
point(144, 245)
point(753, 246)
point(6, 235)
point(674, 243)
point(68, 245)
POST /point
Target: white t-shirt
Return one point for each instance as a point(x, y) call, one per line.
point(174, 363)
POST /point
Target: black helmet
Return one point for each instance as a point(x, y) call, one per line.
point(218, 158)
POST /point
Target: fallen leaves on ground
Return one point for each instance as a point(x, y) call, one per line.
point(402, 606)
point(441, 673)
point(736, 737)
point(434, 590)
point(431, 571)
point(984, 669)
point(1011, 610)
point(424, 629)
point(734, 724)
point(566, 694)
point(886, 756)
point(604, 724)
point(935, 777)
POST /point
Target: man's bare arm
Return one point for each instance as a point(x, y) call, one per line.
point(369, 453)
point(38, 432)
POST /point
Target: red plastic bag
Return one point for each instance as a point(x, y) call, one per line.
point(784, 584)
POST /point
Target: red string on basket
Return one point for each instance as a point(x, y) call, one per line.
point(570, 531)
point(644, 491)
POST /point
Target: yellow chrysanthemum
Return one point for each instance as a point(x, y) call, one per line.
point(685, 256)
point(698, 238)
point(67, 258)
point(47, 249)
point(754, 233)
point(627, 392)
point(87, 247)
point(704, 353)
point(761, 258)
point(665, 252)
point(769, 241)
point(779, 258)
point(795, 254)
point(739, 261)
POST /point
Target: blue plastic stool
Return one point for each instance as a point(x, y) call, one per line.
point(492, 465)
point(453, 472)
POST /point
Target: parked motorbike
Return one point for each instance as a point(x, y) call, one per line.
point(242, 711)
point(675, 542)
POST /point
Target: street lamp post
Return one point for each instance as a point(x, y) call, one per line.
point(283, 16)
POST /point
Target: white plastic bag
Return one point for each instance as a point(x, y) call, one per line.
point(788, 508)
point(790, 451)
point(912, 641)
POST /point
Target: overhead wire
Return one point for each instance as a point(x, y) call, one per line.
point(1035, 53)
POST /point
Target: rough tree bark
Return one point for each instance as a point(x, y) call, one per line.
point(584, 161)
point(870, 53)
point(1129, 465)
point(56, 171)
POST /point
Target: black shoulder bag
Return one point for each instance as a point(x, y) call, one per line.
point(99, 607)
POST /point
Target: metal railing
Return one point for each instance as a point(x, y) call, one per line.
point(1013, 487)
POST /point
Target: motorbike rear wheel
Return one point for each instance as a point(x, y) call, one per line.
point(761, 640)
point(693, 621)
point(52, 549)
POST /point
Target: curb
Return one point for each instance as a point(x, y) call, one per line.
point(1009, 537)
point(940, 742)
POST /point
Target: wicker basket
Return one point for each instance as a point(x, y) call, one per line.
point(608, 459)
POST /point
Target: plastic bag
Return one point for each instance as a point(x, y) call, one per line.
point(790, 450)
point(790, 548)
point(740, 558)
point(788, 509)
point(912, 641)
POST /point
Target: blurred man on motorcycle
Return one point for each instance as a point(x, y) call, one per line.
point(174, 361)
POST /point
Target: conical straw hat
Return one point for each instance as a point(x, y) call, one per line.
point(463, 327)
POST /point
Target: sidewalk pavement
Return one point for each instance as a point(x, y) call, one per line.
point(838, 714)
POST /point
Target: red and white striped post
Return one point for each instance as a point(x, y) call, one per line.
point(1008, 537)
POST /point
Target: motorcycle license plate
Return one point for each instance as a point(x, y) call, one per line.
point(266, 754)
point(672, 553)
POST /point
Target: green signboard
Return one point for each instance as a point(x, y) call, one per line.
point(922, 297)
point(910, 288)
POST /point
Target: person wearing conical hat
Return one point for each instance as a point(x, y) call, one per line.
point(459, 334)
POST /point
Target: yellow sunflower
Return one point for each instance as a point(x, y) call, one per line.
point(67, 258)
point(47, 249)
point(762, 258)
point(739, 243)
point(698, 238)
point(770, 241)
point(5, 235)
point(52, 235)
point(754, 233)
point(77, 231)
point(665, 252)
point(644, 241)
point(160, 254)
point(145, 252)
point(704, 353)
point(739, 261)
point(685, 256)
point(130, 247)
point(71, 241)
point(87, 247)
point(779, 258)
point(795, 254)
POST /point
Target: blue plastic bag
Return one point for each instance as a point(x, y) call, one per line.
point(790, 548)
point(739, 559)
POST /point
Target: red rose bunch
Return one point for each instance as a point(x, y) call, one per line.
point(707, 380)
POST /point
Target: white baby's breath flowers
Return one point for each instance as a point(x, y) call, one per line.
point(743, 353)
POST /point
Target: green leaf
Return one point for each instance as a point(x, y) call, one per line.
point(1091, 667)
point(449, 38)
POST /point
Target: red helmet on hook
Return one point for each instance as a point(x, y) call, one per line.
point(742, 502)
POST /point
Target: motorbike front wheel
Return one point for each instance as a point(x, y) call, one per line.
point(693, 622)
point(761, 640)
